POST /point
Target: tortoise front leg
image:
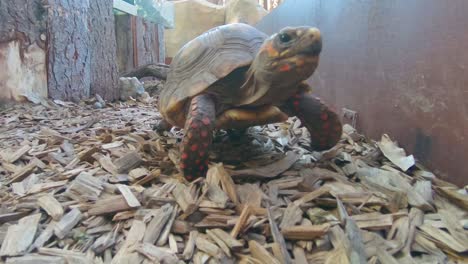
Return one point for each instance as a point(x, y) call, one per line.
point(198, 137)
point(322, 123)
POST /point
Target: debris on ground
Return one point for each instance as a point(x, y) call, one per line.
point(87, 185)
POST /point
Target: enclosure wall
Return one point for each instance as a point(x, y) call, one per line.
point(401, 65)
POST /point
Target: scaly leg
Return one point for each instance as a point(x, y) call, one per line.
point(198, 137)
point(322, 123)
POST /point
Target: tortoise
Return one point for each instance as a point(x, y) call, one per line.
point(233, 77)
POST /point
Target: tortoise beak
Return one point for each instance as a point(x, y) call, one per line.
point(312, 40)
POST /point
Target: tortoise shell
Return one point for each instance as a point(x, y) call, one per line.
point(205, 60)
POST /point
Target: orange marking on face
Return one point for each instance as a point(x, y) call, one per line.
point(299, 62)
point(285, 68)
point(272, 52)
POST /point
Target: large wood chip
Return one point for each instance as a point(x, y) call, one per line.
point(208, 247)
point(269, 171)
point(305, 232)
point(126, 252)
point(109, 205)
point(12, 157)
point(127, 162)
point(51, 206)
point(227, 184)
point(155, 227)
point(261, 254)
point(130, 198)
point(20, 236)
point(68, 221)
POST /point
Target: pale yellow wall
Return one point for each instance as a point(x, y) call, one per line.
point(22, 74)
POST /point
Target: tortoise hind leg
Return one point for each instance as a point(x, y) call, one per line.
point(322, 122)
point(199, 126)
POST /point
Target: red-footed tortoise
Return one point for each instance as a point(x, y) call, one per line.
point(233, 77)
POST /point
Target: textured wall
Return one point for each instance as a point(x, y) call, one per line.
point(402, 65)
point(22, 49)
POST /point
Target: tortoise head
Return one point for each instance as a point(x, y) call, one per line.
point(289, 56)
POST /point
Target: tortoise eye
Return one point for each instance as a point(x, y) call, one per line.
point(284, 37)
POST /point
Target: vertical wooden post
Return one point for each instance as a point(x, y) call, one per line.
point(81, 50)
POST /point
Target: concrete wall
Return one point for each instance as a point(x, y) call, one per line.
point(402, 65)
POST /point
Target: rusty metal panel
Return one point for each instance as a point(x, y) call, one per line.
point(401, 65)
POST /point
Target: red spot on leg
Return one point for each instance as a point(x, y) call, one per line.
point(206, 121)
point(324, 116)
point(184, 155)
point(194, 147)
point(326, 126)
point(285, 68)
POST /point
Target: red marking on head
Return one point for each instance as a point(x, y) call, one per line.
point(206, 121)
point(204, 133)
point(285, 68)
point(194, 147)
point(184, 156)
point(324, 116)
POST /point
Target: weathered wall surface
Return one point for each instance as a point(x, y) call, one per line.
point(193, 17)
point(402, 65)
point(139, 42)
point(22, 49)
